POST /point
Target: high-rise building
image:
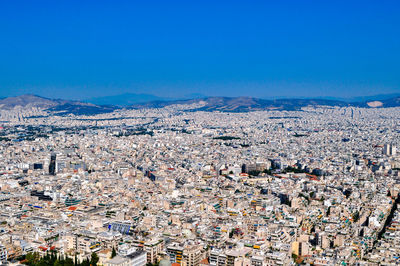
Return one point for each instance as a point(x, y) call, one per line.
point(389, 150)
point(52, 165)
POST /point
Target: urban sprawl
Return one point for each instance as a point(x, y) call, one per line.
point(170, 186)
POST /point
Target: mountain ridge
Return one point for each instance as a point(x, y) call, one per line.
point(244, 104)
point(222, 104)
point(54, 105)
point(125, 99)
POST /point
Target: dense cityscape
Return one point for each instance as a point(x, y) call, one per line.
point(199, 133)
point(169, 186)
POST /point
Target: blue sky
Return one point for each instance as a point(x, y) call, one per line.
point(82, 49)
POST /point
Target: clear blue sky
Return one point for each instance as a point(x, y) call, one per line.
point(80, 49)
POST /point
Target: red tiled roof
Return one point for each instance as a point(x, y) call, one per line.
point(205, 261)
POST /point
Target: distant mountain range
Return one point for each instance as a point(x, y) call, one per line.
point(244, 104)
point(378, 97)
point(53, 105)
point(223, 104)
point(247, 104)
point(125, 99)
point(128, 99)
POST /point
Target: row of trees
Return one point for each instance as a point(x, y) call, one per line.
point(53, 259)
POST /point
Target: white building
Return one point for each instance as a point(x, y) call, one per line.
point(389, 150)
point(137, 258)
point(3, 253)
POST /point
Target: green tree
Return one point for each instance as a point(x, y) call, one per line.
point(355, 216)
point(113, 252)
point(254, 173)
point(32, 258)
point(328, 212)
point(86, 262)
point(43, 262)
point(68, 262)
point(94, 259)
point(53, 256)
point(294, 257)
point(231, 233)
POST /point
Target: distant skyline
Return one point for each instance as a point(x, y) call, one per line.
point(79, 50)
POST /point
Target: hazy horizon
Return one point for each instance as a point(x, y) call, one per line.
point(358, 98)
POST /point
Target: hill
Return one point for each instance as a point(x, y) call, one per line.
point(245, 104)
point(222, 104)
point(60, 106)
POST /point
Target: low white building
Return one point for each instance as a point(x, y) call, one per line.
point(137, 258)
